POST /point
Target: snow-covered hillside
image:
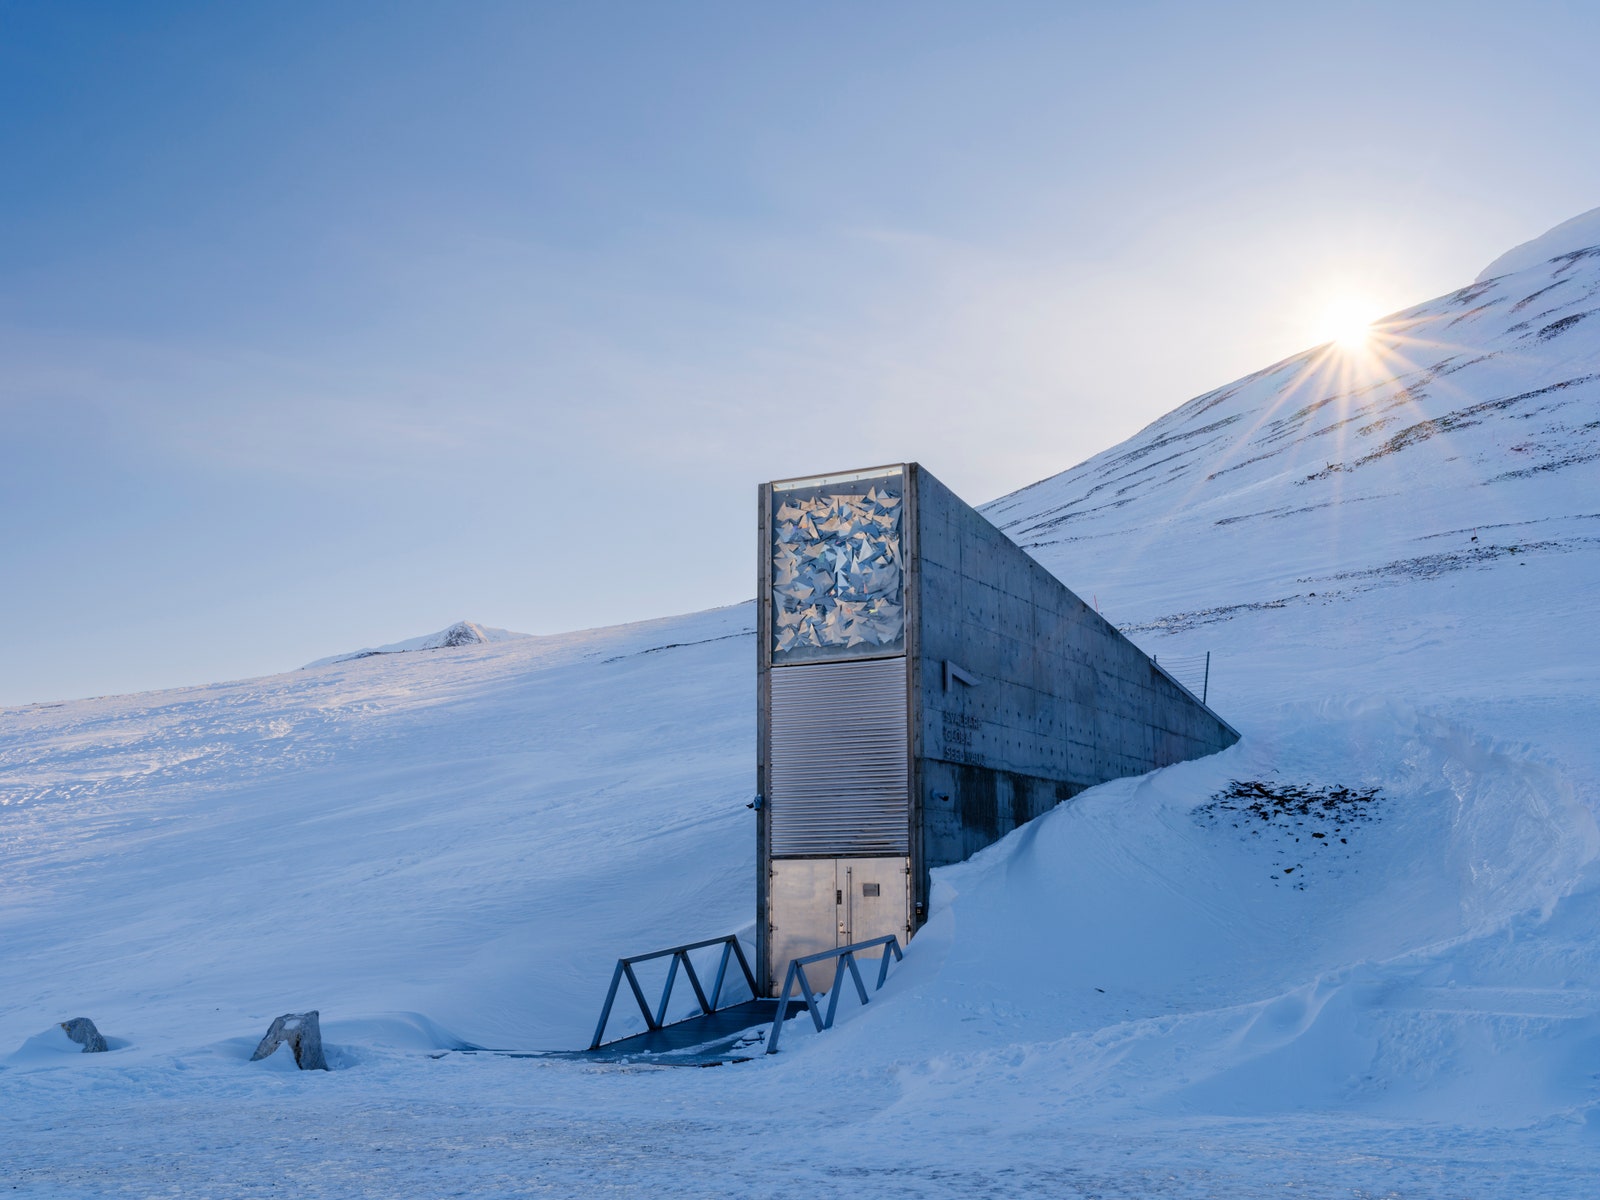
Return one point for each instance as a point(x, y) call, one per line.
point(1464, 441)
point(1170, 986)
point(462, 633)
point(402, 832)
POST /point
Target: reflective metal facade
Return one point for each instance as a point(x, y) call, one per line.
point(839, 764)
point(838, 580)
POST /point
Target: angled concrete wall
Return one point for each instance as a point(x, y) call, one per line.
point(1057, 701)
point(1017, 696)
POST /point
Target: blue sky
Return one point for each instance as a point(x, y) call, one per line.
point(327, 325)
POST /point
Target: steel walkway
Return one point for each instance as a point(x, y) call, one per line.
point(717, 1033)
point(733, 1034)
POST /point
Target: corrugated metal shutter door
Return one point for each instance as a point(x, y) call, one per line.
point(839, 758)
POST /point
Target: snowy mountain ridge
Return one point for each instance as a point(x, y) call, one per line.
point(1579, 236)
point(1464, 437)
point(462, 633)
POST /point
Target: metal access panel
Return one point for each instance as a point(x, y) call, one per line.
point(822, 903)
point(840, 759)
point(874, 898)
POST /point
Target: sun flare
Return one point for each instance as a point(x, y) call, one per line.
point(1346, 321)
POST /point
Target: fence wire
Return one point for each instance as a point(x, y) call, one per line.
point(1192, 670)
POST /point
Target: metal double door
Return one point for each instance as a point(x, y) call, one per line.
point(820, 904)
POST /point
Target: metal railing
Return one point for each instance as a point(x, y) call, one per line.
point(1192, 671)
point(847, 959)
point(680, 955)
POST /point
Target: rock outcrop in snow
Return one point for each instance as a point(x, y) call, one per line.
point(82, 1031)
point(302, 1033)
point(462, 633)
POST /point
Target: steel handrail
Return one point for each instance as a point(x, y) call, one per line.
point(847, 958)
point(680, 954)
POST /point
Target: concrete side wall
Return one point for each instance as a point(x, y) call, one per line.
point(1062, 700)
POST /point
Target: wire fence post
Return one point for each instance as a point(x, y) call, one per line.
point(1181, 670)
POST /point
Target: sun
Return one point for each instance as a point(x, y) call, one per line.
point(1346, 321)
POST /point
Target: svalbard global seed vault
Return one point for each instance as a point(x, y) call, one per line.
point(924, 687)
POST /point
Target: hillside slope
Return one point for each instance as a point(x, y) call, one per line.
point(470, 836)
point(1419, 521)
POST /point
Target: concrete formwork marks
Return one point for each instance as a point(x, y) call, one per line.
point(1062, 700)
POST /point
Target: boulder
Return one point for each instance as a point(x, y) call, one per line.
point(303, 1032)
point(82, 1031)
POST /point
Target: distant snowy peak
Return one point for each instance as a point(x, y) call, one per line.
point(1568, 238)
point(462, 633)
point(1465, 434)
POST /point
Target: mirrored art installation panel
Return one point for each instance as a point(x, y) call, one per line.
point(837, 574)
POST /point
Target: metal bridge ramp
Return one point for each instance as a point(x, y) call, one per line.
point(726, 1033)
point(737, 1033)
point(716, 1032)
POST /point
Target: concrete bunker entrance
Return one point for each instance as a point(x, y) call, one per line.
point(924, 687)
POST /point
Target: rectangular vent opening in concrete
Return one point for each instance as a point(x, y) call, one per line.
point(839, 758)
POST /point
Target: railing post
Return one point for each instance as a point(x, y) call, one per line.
point(783, 1010)
point(666, 993)
point(833, 992)
point(883, 963)
point(638, 994)
point(694, 982)
point(722, 971)
point(811, 997)
point(738, 951)
point(861, 988)
point(605, 1011)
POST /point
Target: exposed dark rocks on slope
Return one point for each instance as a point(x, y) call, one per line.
point(1309, 815)
point(1269, 800)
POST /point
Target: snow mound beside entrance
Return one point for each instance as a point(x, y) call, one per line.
point(1130, 952)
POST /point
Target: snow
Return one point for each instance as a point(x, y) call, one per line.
point(1154, 990)
point(462, 633)
point(43, 1047)
point(1580, 233)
